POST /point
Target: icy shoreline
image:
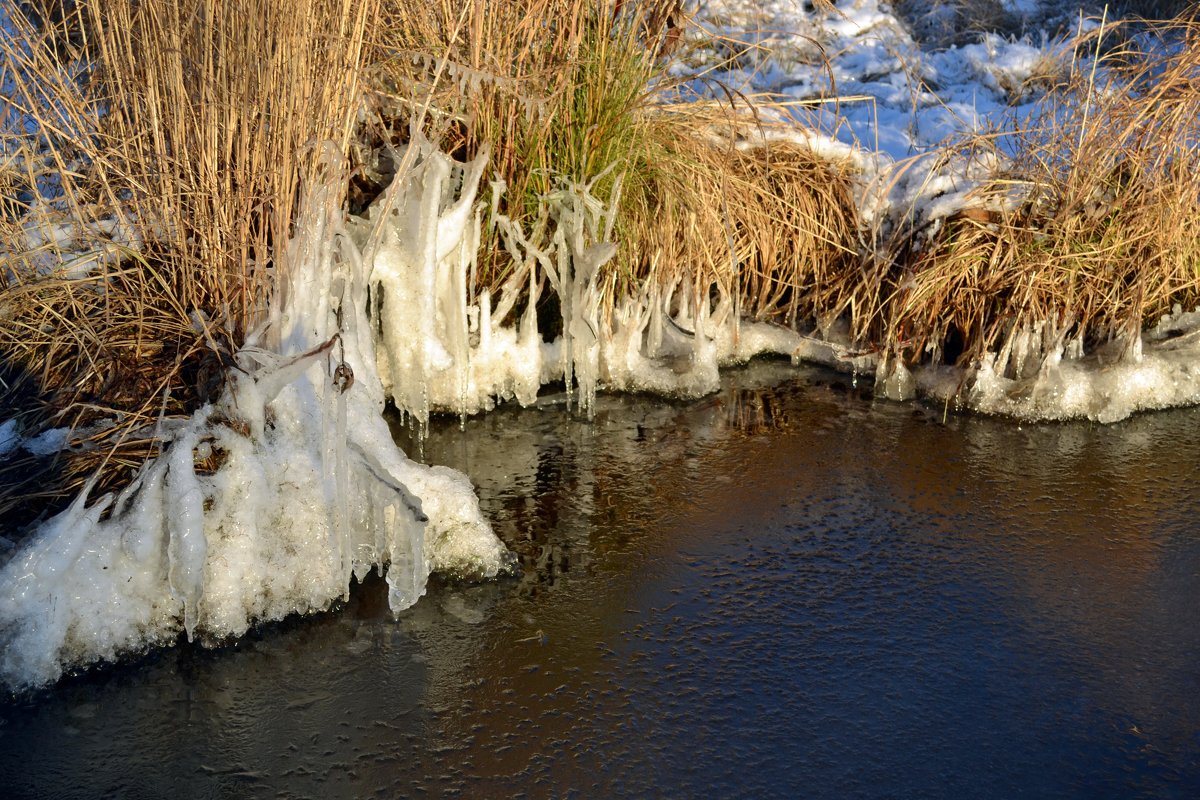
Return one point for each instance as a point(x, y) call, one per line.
point(309, 489)
point(271, 500)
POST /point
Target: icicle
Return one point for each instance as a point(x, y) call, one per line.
point(188, 547)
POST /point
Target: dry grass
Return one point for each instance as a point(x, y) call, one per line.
point(588, 101)
point(142, 217)
point(148, 208)
point(765, 220)
point(550, 102)
point(1094, 227)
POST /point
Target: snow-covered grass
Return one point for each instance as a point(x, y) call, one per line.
point(1092, 223)
point(1023, 195)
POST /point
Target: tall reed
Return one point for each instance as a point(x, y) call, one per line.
point(154, 153)
point(711, 193)
point(159, 151)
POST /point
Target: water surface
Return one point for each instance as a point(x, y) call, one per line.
point(787, 589)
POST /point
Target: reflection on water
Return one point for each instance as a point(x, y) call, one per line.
point(784, 590)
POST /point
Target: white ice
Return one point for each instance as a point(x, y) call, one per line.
point(305, 486)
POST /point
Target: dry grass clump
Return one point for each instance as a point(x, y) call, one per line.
point(765, 220)
point(1094, 228)
point(146, 188)
point(587, 101)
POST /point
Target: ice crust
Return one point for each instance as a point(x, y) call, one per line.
point(1042, 377)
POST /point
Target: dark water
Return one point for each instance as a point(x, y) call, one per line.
point(785, 590)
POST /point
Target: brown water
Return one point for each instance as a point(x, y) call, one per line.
point(787, 589)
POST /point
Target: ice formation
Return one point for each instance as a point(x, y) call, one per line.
point(461, 353)
point(1042, 375)
point(673, 339)
point(266, 502)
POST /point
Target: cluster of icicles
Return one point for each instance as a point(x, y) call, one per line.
point(309, 489)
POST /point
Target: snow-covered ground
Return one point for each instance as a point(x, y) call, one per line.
point(857, 75)
point(311, 491)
